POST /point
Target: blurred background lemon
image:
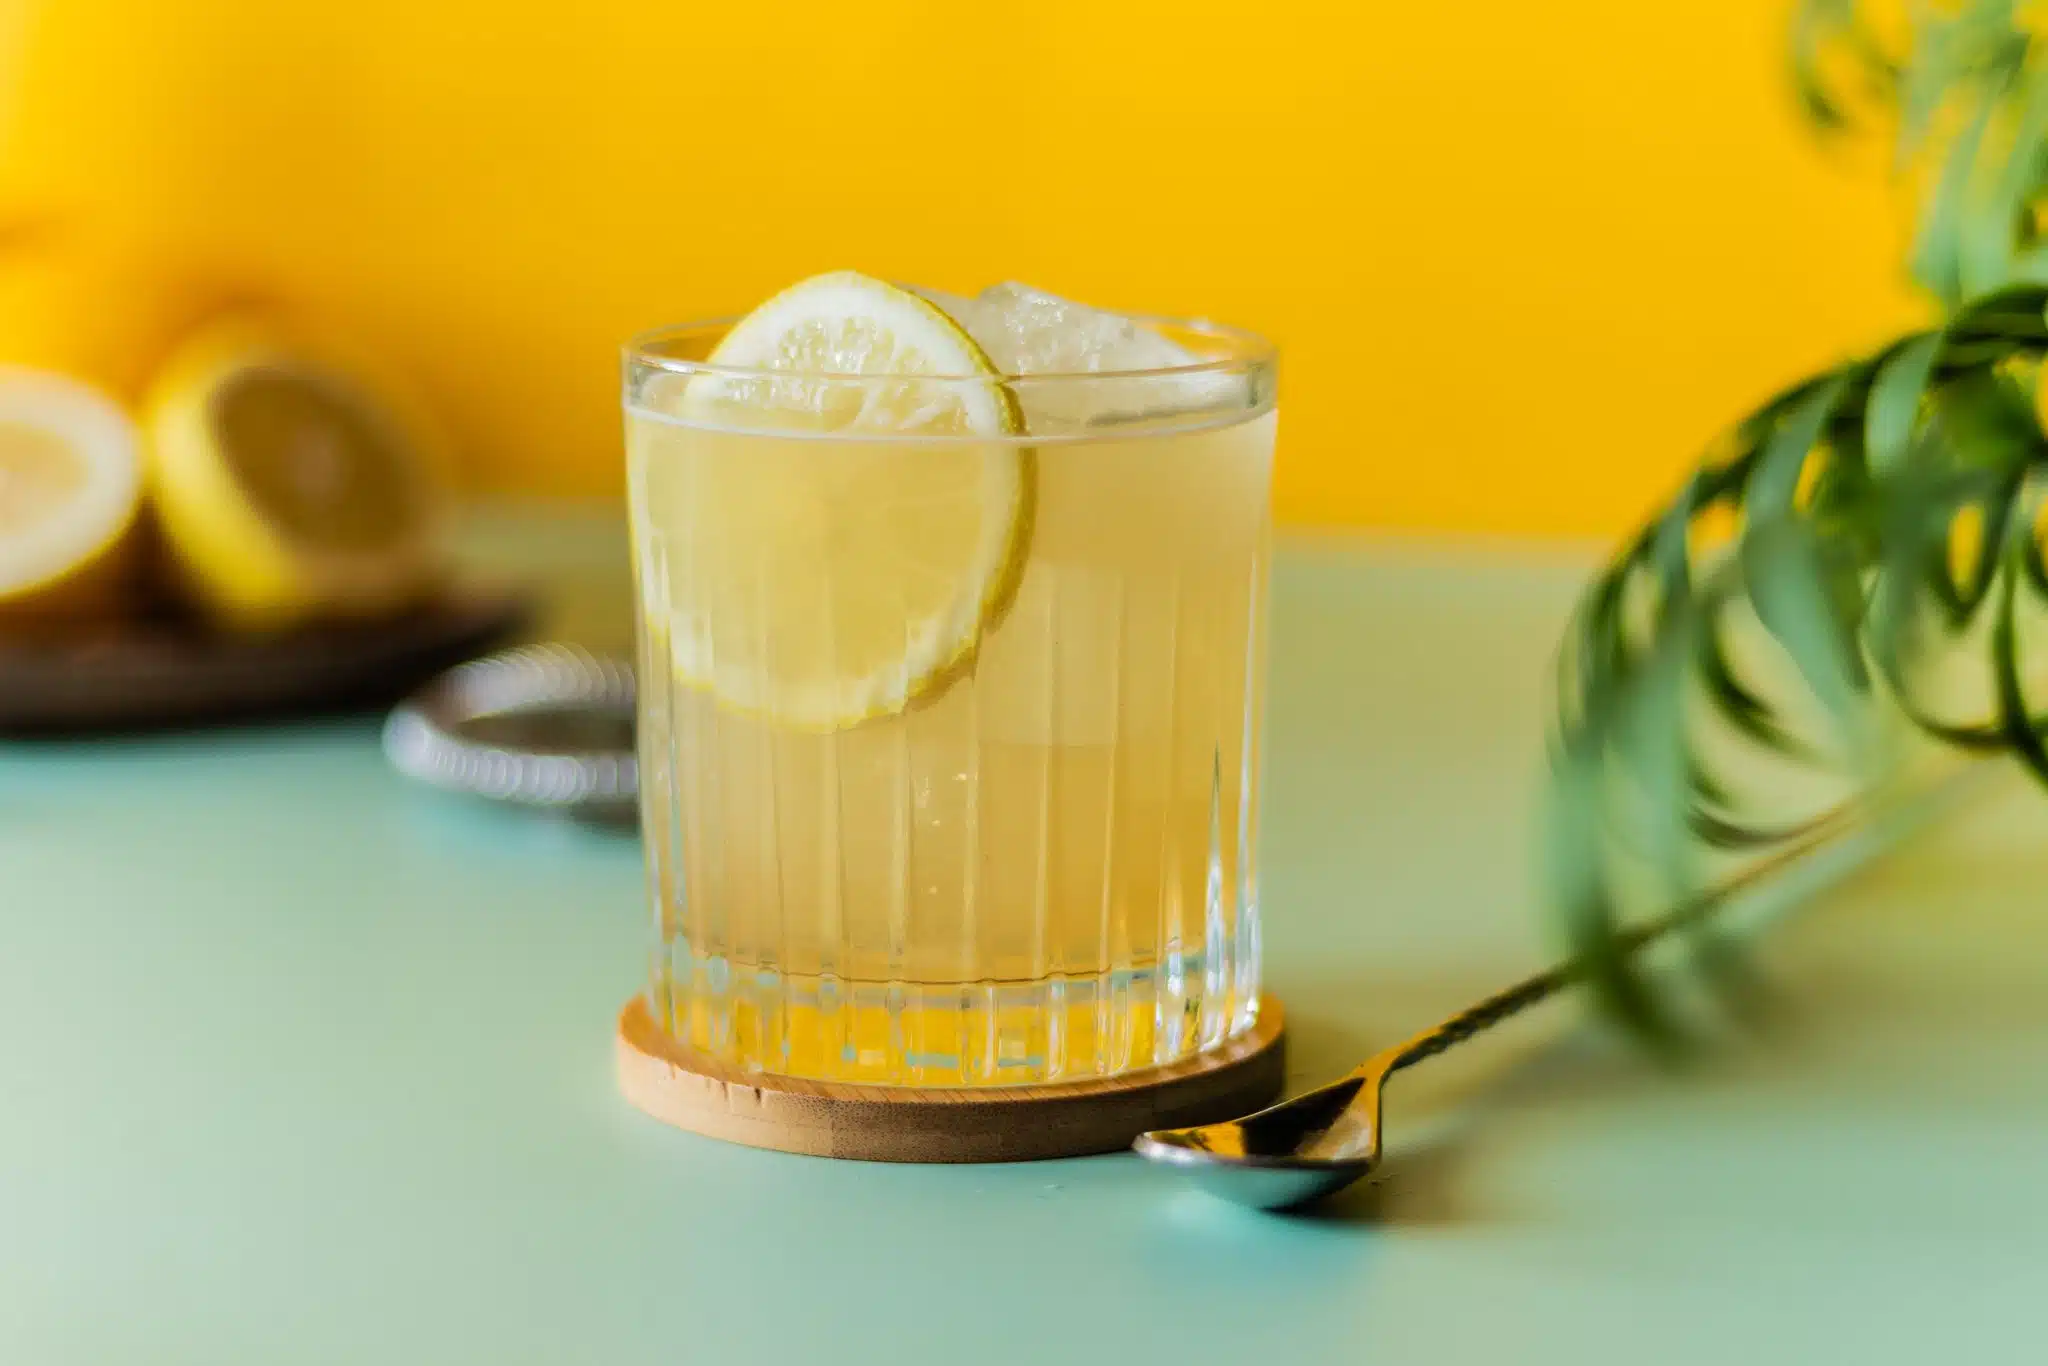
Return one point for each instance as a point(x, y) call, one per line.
point(287, 483)
point(70, 503)
point(1524, 259)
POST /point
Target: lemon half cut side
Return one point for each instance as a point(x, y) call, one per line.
point(70, 493)
point(289, 486)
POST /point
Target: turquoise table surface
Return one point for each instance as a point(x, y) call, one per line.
point(300, 1063)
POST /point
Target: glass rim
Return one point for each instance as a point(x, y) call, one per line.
point(1253, 352)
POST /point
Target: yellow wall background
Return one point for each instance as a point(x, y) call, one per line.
point(1523, 258)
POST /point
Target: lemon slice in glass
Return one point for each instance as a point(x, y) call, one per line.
point(850, 516)
point(70, 488)
point(288, 486)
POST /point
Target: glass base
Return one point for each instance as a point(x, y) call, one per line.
point(1053, 1029)
point(945, 1124)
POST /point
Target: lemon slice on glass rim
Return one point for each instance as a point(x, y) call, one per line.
point(70, 493)
point(856, 511)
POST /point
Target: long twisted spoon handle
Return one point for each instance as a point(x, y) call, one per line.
point(1514, 1000)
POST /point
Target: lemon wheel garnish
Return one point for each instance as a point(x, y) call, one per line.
point(287, 487)
point(70, 487)
point(838, 548)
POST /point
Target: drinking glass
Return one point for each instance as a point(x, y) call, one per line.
point(1036, 861)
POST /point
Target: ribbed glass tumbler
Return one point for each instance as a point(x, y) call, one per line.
point(950, 742)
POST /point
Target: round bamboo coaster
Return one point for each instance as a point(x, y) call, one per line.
point(943, 1124)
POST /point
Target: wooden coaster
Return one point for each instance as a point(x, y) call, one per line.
point(943, 1124)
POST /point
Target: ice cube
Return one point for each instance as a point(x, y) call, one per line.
point(958, 307)
point(1027, 331)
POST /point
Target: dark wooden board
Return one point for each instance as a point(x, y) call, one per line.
point(168, 673)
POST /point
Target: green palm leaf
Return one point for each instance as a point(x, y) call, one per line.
point(1886, 553)
point(1857, 602)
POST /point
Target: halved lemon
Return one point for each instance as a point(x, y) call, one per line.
point(842, 525)
point(288, 485)
point(70, 491)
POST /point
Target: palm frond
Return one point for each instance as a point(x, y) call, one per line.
point(1846, 582)
point(1854, 571)
point(1965, 97)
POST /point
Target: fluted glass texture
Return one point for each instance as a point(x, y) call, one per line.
point(1041, 866)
